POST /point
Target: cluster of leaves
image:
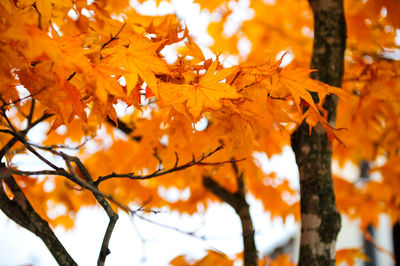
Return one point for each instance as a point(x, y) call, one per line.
point(77, 66)
point(76, 60)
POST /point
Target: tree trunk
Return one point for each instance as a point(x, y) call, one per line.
point(396, 243)
point(320, 220)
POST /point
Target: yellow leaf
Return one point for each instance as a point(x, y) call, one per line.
point(208, 92)
point(45, 8)
point(192, 49)
point(62, 3)
point(7, 4)
point(139, 59)
point(25, 3)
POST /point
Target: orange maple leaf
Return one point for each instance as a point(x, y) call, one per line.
point(45, 7)
point(139, 59)
point(208, 91)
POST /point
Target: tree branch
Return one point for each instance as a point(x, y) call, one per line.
point(239, 204)
point(113, 216)
point(123, 127)
point(14, 140)
point(223, 194)
point(161, 172)
point(100, 197)
point(21, 211)
point(113, 38)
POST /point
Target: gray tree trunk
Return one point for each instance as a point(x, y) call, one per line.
point(320, 220)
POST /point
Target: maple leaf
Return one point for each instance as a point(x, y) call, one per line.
point(299, 84)
point(8, 5)
point(208, 91)
point(74, 98)
point(139, 59)
point(45, 7)
point(192, 49)
point(105, 84)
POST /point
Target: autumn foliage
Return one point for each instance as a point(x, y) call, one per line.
point(67, 65)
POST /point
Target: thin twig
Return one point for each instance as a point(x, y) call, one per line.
point(113, 38)
point(240, 181)
point(30, 115)
point(176, 229)
point(12, 141)
point(278, 98)
point(40, 172)
point(10, 125)
point(23, 98)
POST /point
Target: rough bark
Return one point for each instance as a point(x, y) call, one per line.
point(21, 211)
point(238, 202)
point(396, 243)
point(320, 220)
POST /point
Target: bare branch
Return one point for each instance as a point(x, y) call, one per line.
point(238, 202)
point(239, 176)
point(162, 172)
point(105, 251)
point(30, 115)
point(29, 147)
point(223, 194)
point(10, 125)
point(176, 159)
point(88, 184)
point(176, 229)
point(100, 197)
point(40, 172)
point(113, 38)
point(121, 125)
point(12, 141)
point(21, 99)
point(222, 162)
